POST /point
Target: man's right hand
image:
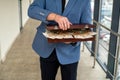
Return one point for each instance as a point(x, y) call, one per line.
point(62, 21)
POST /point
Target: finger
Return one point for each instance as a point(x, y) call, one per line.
point(68, 23)
point(62, 26)
point(65, 26)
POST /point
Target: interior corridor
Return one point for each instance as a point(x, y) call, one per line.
point(23, 64)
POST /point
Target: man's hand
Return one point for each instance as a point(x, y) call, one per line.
point(62, 21)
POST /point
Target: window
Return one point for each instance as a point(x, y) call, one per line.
point(118, 72)
point(105, 19)
point(106, 12)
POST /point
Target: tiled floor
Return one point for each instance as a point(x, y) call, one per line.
point(23, 64)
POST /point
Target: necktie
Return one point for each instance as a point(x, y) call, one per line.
point(63, 4)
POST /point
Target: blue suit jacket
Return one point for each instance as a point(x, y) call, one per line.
point(77, 11)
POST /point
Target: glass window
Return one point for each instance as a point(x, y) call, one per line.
point(106, 12)
point(118, 72)
point(105, 19)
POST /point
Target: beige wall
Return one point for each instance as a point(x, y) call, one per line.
point(25, 5)
point(9, 23)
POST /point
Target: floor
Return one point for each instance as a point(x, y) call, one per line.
point(22, 63)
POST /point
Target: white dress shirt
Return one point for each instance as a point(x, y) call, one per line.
point(66, 2)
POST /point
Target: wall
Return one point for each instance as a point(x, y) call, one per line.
point(25, 5)
point(10, 24)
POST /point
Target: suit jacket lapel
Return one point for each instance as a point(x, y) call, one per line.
point(69, 6)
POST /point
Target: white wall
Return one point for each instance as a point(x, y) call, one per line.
point(9, 23)
point(25, 5)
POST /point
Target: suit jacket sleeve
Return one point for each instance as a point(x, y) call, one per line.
point(37, 10)
point(86, 15)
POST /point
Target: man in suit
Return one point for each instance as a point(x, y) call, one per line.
point(54, 55)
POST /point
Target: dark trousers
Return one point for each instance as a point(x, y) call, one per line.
point(49, 67)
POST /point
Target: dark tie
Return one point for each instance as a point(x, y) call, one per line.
point(63, 5)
